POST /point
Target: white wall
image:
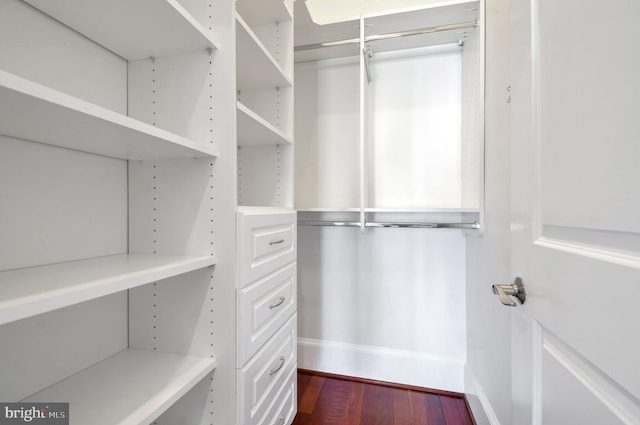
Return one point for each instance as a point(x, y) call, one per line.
point(386, 304)
point(488, 368)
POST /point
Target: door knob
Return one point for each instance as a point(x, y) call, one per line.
point(505, 292)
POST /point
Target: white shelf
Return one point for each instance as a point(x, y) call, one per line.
point(256, 67)
point(253, 130)
point(35, 290)
point(320, 209)
point(34, 112)
point(262, 12)
point(260, 210)
point(134, 30)
point(392, 210)
point(422, 210)
point(131, 387)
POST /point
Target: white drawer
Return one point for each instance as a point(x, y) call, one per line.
point(262, 309)
point(284, 408)
point(266, 242)
point(260, 381)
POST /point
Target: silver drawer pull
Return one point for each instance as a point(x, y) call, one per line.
point(278, 304)
point(279, 241)
point(276, 370)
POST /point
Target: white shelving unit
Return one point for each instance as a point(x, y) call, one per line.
point(255, 130)
point(131, 387)
point(257, 68)
point(68, 122)
point(264, 78)
point(159, 241)
point(36, 290)
point(261, 12)
point(134, 30)
point(167, 114)
point(266, 221)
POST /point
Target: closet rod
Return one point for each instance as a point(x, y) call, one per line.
point(429, 30)
point(474, 225)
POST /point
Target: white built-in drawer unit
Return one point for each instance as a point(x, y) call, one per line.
point(283, 410)
point(262, 308)
point(266, 242)
point(265, 376)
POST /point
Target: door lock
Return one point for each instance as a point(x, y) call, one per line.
point(516, 289)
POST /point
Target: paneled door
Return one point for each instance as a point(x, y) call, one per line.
point(575, 102)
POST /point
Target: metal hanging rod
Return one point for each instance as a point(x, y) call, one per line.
point(429, 30)
point(415, 225)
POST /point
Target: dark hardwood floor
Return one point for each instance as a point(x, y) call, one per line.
point(333, 400)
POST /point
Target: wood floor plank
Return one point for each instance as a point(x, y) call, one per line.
point(308, 400)
point(450, 410)
point(331, 406)
point(355, 401)
point(434, 410)
point(465, 414)
point(303, 383)
point(336, 400)
point(402, 408)
point(377, 408)
point(303, 419)
point(418, 408)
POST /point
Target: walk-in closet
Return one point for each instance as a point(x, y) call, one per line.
point(200, 197)
point(295, 212)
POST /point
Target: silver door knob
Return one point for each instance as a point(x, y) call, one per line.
point(505, 292)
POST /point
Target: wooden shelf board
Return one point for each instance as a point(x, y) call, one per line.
point(131, 387)
point(253, 130)
point(37, 113)
point(262, 12)
point(35, 290)
point(134, 30)
point(256, 67)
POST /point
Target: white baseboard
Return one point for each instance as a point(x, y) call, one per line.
point(382, 364)
point(479, 403)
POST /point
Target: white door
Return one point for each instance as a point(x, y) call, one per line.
point(576, 211)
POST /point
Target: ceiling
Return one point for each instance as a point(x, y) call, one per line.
point(332, 11)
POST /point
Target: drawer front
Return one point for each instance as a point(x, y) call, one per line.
point(261, 380)
point(262, 309)
point(285, 406)
point(266, 242)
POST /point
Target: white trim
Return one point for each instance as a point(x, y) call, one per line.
point(537, 334)
point(618, 400)
point(475, 390)
point(609, 256)
point(382, 364)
